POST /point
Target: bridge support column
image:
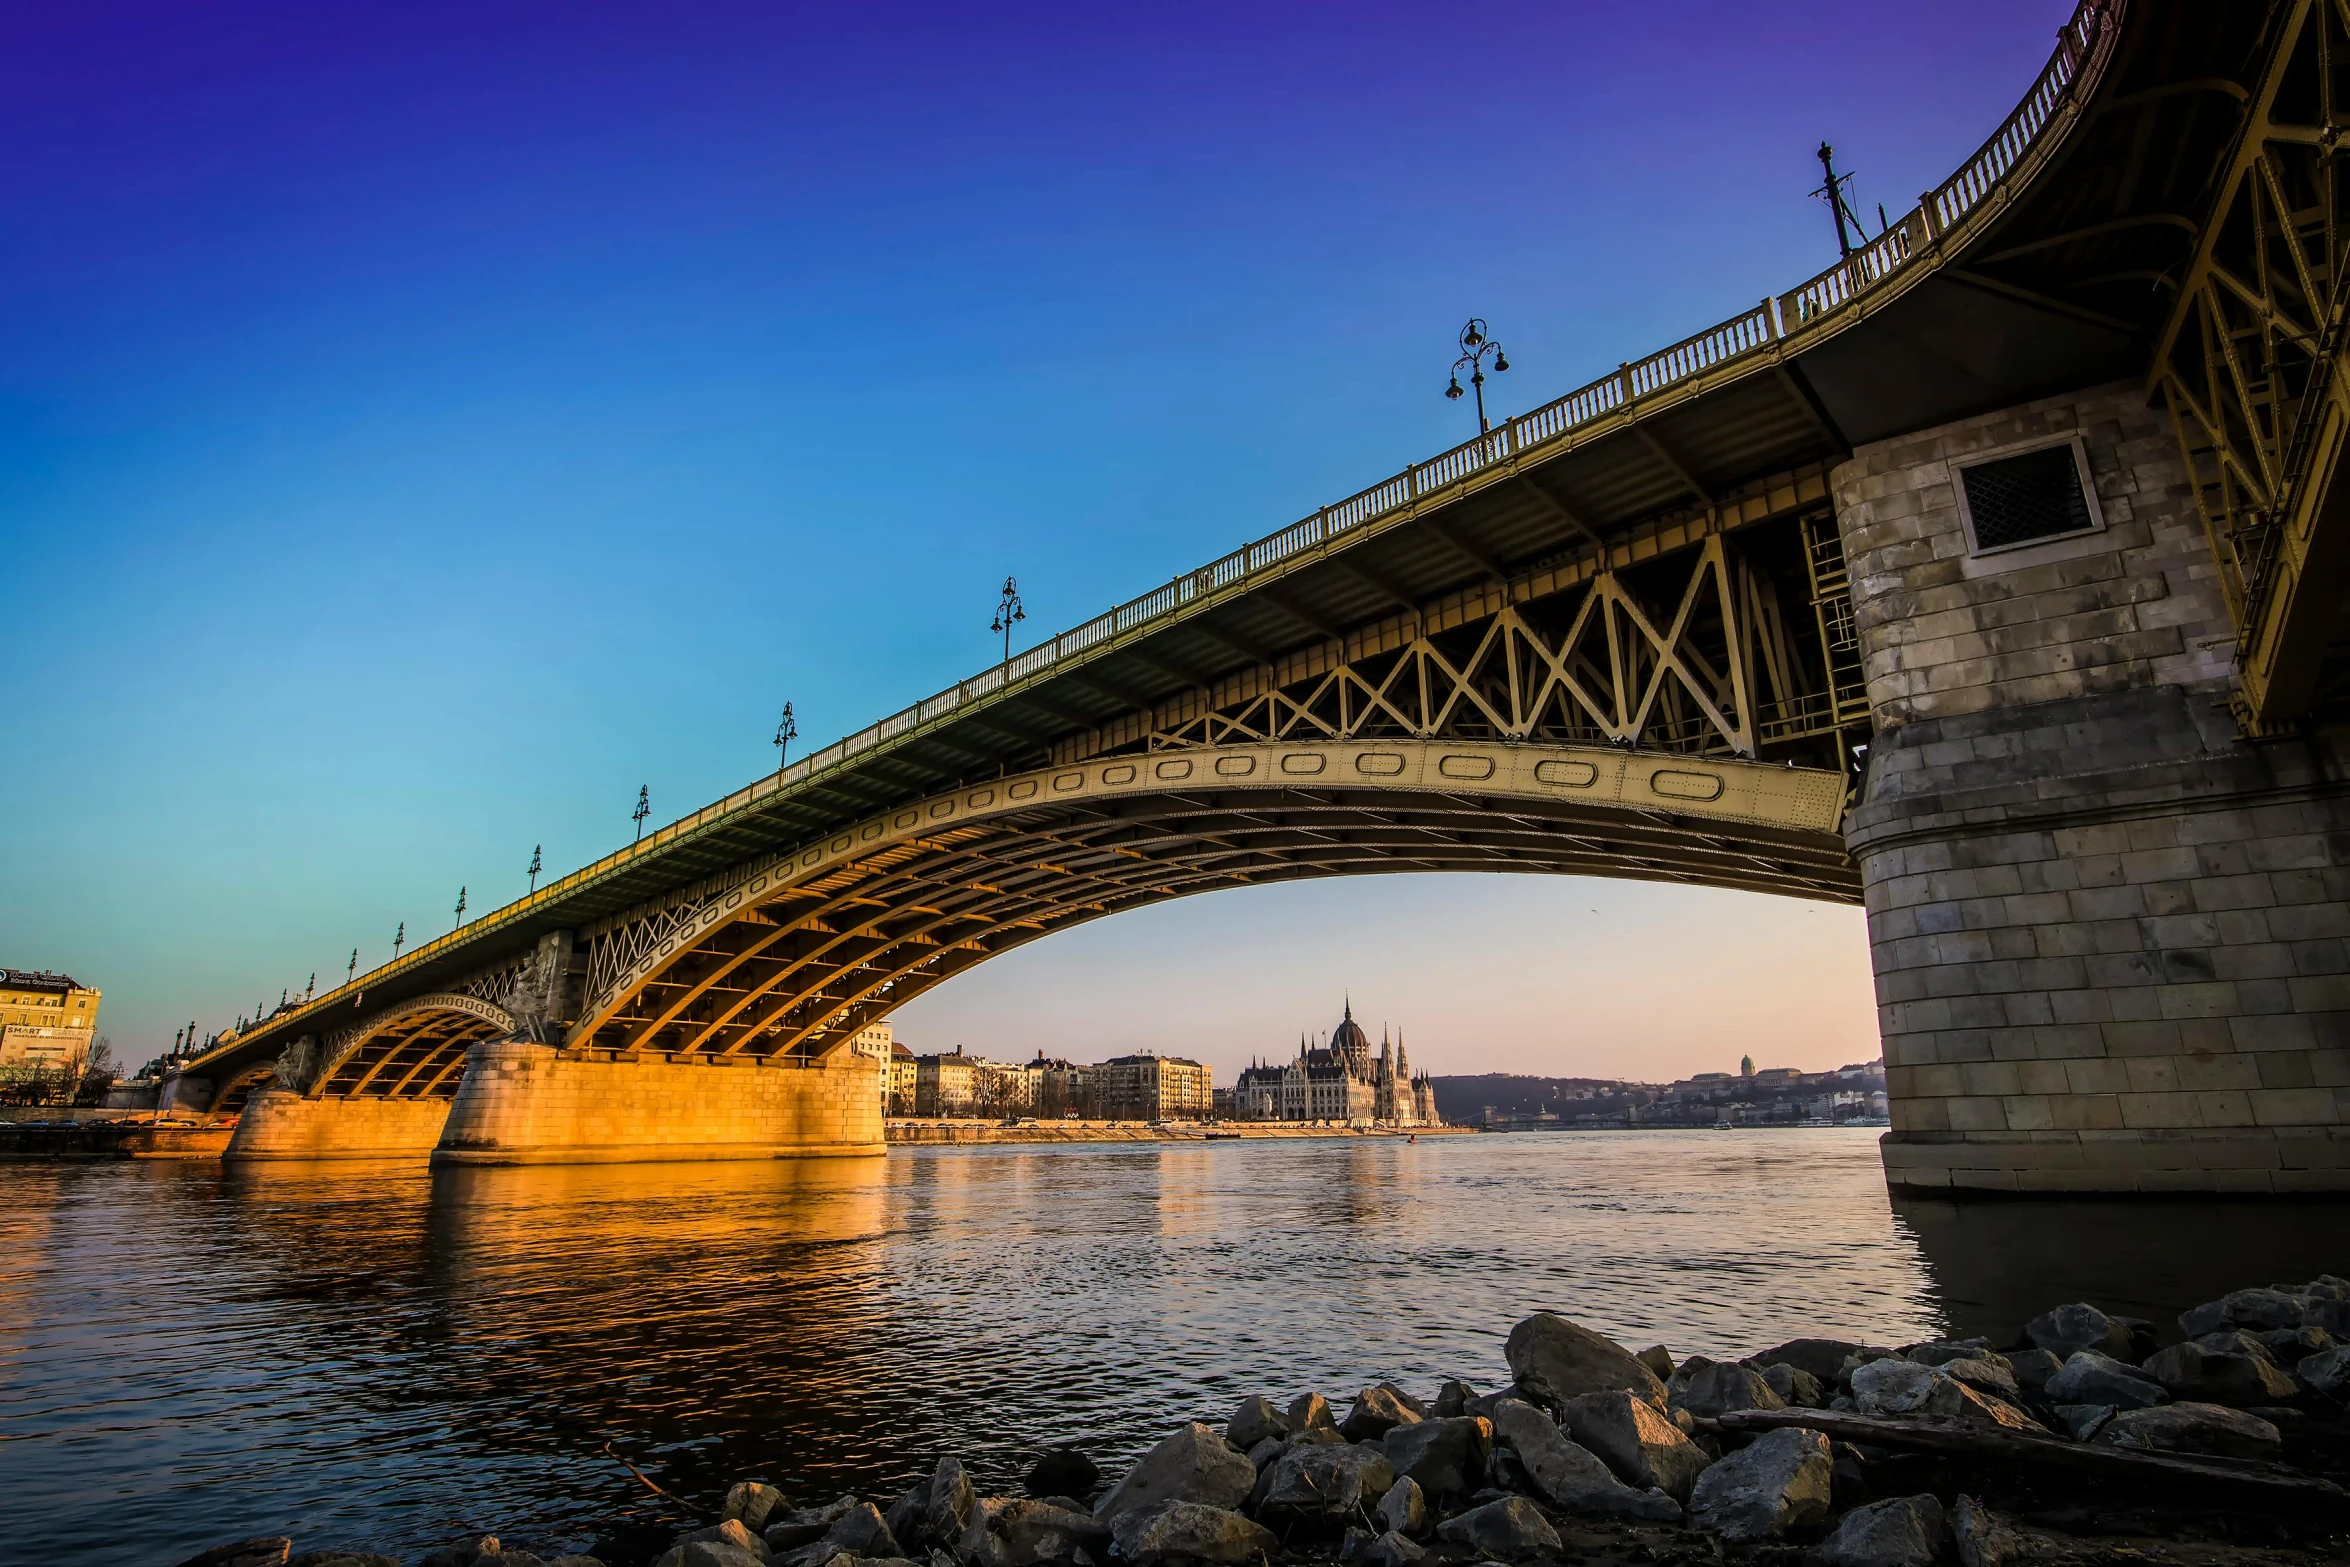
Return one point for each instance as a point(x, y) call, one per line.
point(2111, 939)
point(526, 1103)
point(278, 1123)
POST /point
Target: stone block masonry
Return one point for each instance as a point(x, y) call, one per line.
point(2111, 939)
point(278, 1123)
point(525, 1103)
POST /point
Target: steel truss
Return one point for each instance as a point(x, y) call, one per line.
point(2250, 367)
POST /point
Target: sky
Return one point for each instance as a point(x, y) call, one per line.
point(423, 426)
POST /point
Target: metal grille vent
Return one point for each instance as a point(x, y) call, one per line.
point(2017, 500)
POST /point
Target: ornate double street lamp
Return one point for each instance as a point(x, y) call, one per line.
point(644, 808)
point(786, 731)
point(1007, 614)
point(536, 865)
point(1476, 343)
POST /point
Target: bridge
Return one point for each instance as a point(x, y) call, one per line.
point(1991, 577)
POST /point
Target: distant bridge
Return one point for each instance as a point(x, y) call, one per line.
point(1617, 636)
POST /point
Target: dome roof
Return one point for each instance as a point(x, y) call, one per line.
point(1349, 1035)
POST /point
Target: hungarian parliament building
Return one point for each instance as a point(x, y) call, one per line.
point(1342, 1081)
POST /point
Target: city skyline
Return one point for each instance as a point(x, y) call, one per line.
point(419, 490)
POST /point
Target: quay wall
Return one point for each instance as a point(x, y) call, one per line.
point(278, 1123)
point(2111, 936)
point(71, 1142)
point(526, 1103)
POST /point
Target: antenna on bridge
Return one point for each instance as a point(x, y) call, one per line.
point(1836, 192)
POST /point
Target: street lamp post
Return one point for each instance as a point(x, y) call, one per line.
point(1476, 343)
point(535, 865)
point(460, 925)
point(644, 808)
point(399, 940)
point(787, 729)
point(1007, 613)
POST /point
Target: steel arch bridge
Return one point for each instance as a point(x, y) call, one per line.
point(1615, 636)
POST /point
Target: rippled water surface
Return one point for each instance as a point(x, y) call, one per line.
point(376, 1355)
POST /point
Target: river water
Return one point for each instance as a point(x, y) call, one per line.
point(387, 1357)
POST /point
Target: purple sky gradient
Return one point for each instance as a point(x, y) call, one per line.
point(420, 426)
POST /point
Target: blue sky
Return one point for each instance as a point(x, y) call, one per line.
point(422, 426)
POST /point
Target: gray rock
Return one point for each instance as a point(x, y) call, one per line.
point(904, 1516)
point(1192, 1465)
point(1035, 1533)
point(1376, 1412)
point(1555, 1360)
point(2194, 1428)
point(753, 1502)
point(1313, 1483)
point(1794, 1385)
point(1511, 1530)
point(2289, 1346)
point(335, 1558)
point(2257, 1309)
point(2200, 1375)
point(268, 1550)
point(1308, 1412)
point(1640, 1446)
point(2083, 1420)
point(1452, 1399)
point(1893, 1387)
point(2328, 1371)
point(1191, 1532)
point(1062, 1471)
point(1255, 1420)
point(1905, 1531)
point(1658, 1359)
point(730, 1531)
point(1446, 1457)
point(1780, 1481)
point(1393, 1550)
point(704, 1553)
point(1985, 1374)
point(2033, 1367)
point(1404, 1509)
point(1406, 1399)
point(948, 1506)
point(805, 1526)
point(1713, 1388)
point(2235, 1341)
point(860, 1531)
point(1982, 1537)
point(1570, 1476)
point(1934, 1352)
point(1821, 1358)
point(2088, 1377)
point(1265, 1452)
point(2068, 1330)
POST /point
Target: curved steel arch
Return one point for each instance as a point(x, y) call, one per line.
point(792, 953)
point(233, 1094)
point(378, 1057)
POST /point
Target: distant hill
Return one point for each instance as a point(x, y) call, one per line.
point(1462, 1098)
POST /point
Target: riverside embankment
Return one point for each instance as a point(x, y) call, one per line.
point(948, 1133)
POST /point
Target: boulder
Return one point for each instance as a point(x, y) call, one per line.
point(1406, 1399)
point(1640, 1447)
point(1446, 1457)
point(267, 1550)
point(2200, 1375)
point(1265, 1452)
point(1934, 1351)
point(1982, 1537)
point(1310, 1412)
point(1555, 1360)
point(1893, 1387)
point(2068, 1330)
point(2033, 1367)
point(1713, 1388)
point(2328, 1372)
point(730, 1531)
point(2194, 1428)
point(1904, 1531)
point(1190, 1532)
point(1452, 1400)
point(1255, 1420)
point(340, 1558)
point(1985, 1374)
point(2288, 1345)
point(861, 1531)
point(805, 1526)
point(2082, 1421)
point(1796, 1386)
point(1193, 1465)
point(1063, 1471)
point(1393, 1550)
point(2257, 1309)
point(2235, 1341)
point(948, 1507)
point(1820, 1358)
point(1403, 1510)
point(1658, 1359)
point(1376, 1412)
point(704, 1553)
point(1780, 1481)
point(1036, 1533)
point(1509, 1530)
point(2088, 1377)
point(1570, 1476)
point(1317, 1484)
point(753, 1502)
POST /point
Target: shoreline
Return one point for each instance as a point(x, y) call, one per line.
point(2084, 1439)
point(953, 1133)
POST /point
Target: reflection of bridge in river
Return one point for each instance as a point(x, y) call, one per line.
point(1916, 511)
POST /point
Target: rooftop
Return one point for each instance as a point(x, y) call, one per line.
point(38, 979)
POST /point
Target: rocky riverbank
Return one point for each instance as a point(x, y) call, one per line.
point(2087, 1438)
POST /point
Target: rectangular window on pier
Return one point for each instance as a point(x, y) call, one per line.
point(2028, 497)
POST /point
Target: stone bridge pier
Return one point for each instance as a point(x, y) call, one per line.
point(2111, 935)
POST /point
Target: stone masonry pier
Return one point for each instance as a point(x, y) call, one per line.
point(2108, 933)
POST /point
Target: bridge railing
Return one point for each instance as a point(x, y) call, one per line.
point(1753, 332)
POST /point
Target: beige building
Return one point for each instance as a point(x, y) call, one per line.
point(1342, 1081)
point(878, 1042)
point(1057, 1087)
point(1150, 1087)
point(46, 1020)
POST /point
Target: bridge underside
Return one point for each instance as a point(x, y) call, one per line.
point(795, 957)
